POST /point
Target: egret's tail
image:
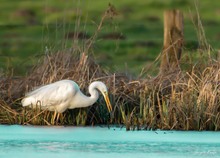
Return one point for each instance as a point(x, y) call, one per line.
point(27, 101)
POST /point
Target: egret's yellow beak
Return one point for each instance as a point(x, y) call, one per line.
point(109, 106)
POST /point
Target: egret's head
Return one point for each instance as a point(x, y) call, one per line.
point(103, 89)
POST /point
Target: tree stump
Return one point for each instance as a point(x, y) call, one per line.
point(173, 41)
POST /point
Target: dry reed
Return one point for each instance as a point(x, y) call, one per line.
point(180, 100)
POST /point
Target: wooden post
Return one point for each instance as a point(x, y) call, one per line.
point(173, 41)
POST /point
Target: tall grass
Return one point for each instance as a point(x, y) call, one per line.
point(190, 101)
point(181, 100)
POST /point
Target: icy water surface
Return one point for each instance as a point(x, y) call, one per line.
point(96, 142)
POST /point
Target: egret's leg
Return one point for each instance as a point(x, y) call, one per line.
point(58, 117)
point(54, 117)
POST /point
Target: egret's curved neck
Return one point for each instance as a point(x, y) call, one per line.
point(83, 100)
point(94, 95)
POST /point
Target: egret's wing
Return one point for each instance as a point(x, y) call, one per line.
point(36, 90)
point(54, 94)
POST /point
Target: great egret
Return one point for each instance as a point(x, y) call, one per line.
point(65, 94)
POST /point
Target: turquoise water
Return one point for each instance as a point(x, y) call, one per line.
point(96, 142)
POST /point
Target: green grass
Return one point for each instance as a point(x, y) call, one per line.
point(28, 27)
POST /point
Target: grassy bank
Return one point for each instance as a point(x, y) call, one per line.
point(128, 42)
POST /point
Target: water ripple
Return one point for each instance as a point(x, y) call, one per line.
point(110, 147)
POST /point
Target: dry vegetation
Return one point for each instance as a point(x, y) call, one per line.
point(182, 100)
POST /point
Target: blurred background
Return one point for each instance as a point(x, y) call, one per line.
point(126, 42)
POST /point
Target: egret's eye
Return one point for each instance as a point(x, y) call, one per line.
point(105, 92)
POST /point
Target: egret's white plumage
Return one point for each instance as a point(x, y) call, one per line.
point(65, 94)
